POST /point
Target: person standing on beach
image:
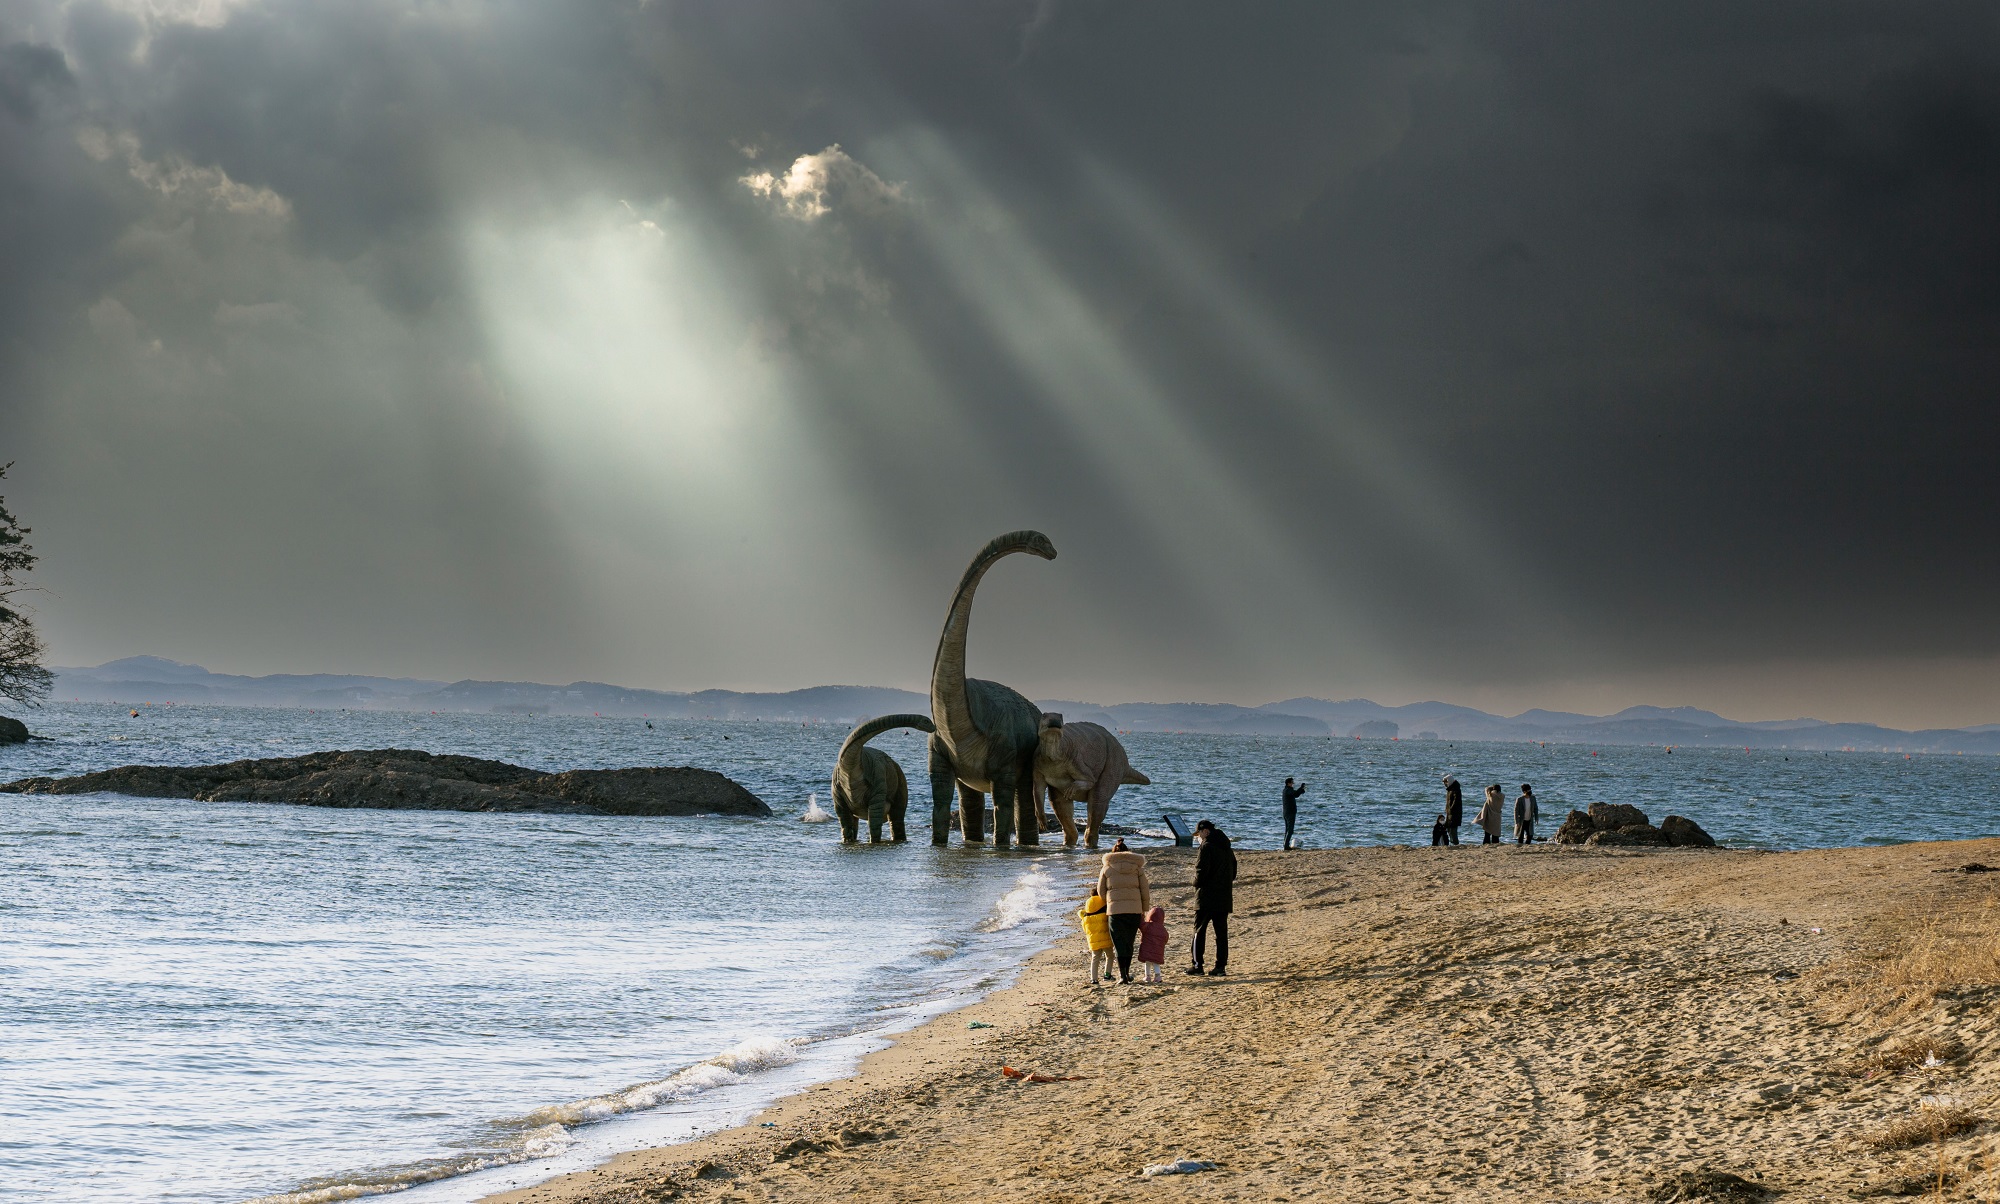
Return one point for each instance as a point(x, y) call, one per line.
point(1489, 815)
point(1292, 796)
point(1122, 882)
point(1096, 935)
point(1214, 896)
point(1454, 808)
point(1525, 812)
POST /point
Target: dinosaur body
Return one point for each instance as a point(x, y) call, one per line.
point(986, 733)
point(868, 783)
point(1081, 761)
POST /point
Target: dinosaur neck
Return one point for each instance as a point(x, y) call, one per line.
point(850, 749)
point(948, 702)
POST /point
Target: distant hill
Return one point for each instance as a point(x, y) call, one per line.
point(153, 679)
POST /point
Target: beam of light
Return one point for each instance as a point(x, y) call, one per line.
point(1259, 342)
point(1109, 408)
point(684, 476)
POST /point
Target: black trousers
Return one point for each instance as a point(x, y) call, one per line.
point(1291, 821)
point(1451, 834)
point(1124, 930)
point(1202, 919)
point(1491, 838)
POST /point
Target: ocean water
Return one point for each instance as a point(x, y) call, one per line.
point(230, 1002)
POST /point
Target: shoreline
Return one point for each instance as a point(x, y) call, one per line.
point(1532, 1024)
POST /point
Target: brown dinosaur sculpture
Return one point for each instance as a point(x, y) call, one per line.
point(986, 733)
point(1081, 761)
point(867, 781)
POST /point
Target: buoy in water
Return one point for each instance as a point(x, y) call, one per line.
point(135, 714)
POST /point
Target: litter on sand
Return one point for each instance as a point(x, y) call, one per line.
point(979, 1024)
point(1186, 1166)
point(1029, 1076)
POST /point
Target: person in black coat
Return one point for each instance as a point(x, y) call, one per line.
point(1454, 808)
point(1214, 895)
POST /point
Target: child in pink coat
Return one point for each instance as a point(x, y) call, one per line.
point(1153, 945)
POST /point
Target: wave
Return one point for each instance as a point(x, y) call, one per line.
point(1028, 901)
point(545, 1132)
point(815, 814)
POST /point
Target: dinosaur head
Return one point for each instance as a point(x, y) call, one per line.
point(1039, 545)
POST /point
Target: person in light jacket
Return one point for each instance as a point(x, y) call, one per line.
point(1128, 897)
point(1525, 813)
point(1489, 815)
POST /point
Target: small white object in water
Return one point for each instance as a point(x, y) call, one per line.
point(1186, 1166)
point(814, 815)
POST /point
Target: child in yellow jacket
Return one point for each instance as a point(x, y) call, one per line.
point(1097, 933)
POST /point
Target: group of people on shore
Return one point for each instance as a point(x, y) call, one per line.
point(1121, 919)
point(1491, 814)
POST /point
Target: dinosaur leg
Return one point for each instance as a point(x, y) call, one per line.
point(1065, 808)
point(943, 778)
point(878, 810)
point(971, 814)
point(1027, 804)
point(1100, 806)
point(1003, 808)
point(850, 823)
point(899, 805)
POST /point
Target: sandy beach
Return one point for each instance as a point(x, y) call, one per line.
point(1417, 1024)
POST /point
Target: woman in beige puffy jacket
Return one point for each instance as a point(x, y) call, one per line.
point(1128, 898)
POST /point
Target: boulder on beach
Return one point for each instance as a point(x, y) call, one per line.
point(1623, 825)
point(405, 779)
point(12, 731)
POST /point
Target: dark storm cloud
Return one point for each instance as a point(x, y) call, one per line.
point(1420, 343)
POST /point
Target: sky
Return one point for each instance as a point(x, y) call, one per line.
point(1516, 354)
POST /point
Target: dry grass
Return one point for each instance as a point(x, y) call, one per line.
point(1929, 1125)
point(1915, 956)
point(1910, 1054)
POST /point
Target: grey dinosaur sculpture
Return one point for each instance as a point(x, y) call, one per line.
point(868, 782)
point(986, 733)
point(1081, 760)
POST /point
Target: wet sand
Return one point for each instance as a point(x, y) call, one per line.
point(1417, 1024)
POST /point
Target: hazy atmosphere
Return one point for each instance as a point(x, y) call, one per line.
point(1523, 355)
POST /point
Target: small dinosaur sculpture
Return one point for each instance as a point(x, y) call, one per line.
point(1081, 761)
point(867, 781)
point(986, 733)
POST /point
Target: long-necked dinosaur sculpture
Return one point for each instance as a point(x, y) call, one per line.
point(868, 783)
point(1081, 760)
point(986, 733)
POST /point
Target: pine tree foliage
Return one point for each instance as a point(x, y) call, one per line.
point(22, 677)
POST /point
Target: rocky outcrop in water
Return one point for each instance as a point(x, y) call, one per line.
point(1623, 824)
point(12, 731)
point(403, 779)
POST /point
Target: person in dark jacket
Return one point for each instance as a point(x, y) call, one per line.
point(1526, 811)
point(1214, 895)
point(1454, 808)
point(1292, 795)
point(1438, 831)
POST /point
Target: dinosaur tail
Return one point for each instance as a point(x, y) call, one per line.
point(1134, 778)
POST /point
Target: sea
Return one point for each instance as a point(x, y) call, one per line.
point(231, 1002)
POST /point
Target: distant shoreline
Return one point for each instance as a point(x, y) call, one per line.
point(136, 681)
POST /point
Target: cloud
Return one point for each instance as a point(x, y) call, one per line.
point(816, 184)
point(1376, 346)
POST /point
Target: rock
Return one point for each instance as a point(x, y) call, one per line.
point(404, 779)
point(1684, 833)
point(12, 731)
point(1617, 815)
point(1631, 835)
point(1576, 829)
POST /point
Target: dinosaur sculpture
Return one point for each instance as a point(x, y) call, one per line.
point(986, 733)
point(868, 782)
point(1081, 761)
